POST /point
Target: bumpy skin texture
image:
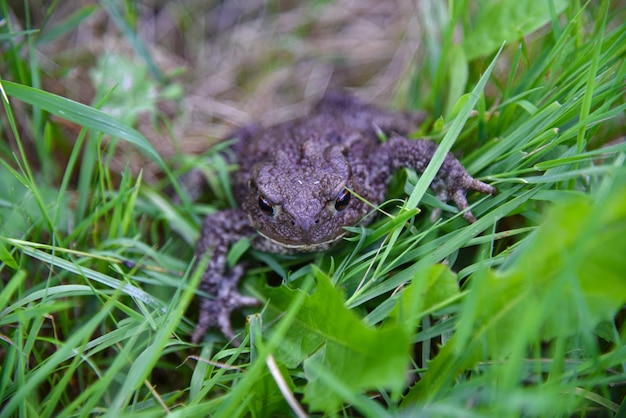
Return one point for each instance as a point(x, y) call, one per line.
point(295, 188)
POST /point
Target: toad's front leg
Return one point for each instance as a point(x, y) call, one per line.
point(219, 231)
point(451, 182)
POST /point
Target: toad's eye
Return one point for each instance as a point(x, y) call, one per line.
point(343, 200)
point(265, 205)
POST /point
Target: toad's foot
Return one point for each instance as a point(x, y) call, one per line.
point(455, 189)
point(219, 231)
point(216, 311)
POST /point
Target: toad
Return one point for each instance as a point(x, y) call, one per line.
point(300, 183)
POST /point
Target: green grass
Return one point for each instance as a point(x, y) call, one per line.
point(519, 314)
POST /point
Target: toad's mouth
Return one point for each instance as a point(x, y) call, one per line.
point(305, 247)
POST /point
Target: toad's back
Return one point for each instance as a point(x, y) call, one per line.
point(295, 186)
point(338, 120)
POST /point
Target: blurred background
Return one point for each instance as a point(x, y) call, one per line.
point(187, 72)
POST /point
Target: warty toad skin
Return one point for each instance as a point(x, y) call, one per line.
point(297, 184)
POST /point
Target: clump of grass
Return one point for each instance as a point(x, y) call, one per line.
point(517, 314)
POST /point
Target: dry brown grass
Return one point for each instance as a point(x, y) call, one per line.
point(242, 61)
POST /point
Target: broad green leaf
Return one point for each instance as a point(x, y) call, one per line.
point(429, 288)
point(565, 280)
point(267, 399)
point(497, 21)
point(578, 253)
point(333, 340)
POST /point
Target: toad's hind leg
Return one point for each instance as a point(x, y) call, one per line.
point(219, 231)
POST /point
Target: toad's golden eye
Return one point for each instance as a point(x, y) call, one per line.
point(265, 205)
point(343, 200)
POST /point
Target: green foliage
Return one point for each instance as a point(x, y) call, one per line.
point(495, 21)
point(335, 347)
point(518, 314)
point(128, 89)
point(564, 280)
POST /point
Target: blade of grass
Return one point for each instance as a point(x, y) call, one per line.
point(52, 33)
point(585, 107)
point(81, 114)
point(28, 178)
point(145, 362)
point(40, 374)
point(88, 273)
point(448, 140)
point(437, 250)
